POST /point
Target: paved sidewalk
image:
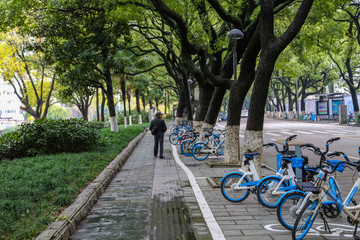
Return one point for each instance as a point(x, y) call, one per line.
point(153, 199)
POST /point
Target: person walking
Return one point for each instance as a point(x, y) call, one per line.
point(158, 128)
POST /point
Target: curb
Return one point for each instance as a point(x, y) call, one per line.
point(72, 215)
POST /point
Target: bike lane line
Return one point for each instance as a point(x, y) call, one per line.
point(210, 220)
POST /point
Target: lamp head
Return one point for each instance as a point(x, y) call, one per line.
point(235, 34)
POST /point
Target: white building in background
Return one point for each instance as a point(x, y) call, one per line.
point(10, 113)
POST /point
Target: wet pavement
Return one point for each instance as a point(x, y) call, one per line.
point(152, 198)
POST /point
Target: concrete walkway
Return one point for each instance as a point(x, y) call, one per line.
point(154, 199)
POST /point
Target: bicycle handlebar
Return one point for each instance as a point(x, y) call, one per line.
point(331, 140)
point(291, 138)
point(286, 146)
point(268, 144)
point(336, 153)
point(353, 164)
point(317, 150)
point(334, 167)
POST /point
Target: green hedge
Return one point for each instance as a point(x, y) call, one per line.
point(48, 137)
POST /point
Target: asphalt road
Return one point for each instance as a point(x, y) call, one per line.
point(316, 133)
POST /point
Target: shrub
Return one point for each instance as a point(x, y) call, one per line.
point(49, 136)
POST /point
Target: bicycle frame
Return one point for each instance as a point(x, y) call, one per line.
point(212, 148)
point(346, 210)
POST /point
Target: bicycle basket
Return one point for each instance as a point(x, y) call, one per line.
point(341, 166)
point(308, 187)
point(297, 162)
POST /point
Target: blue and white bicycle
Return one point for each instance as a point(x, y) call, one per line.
point(313, 204)
point(236, 186)
point(291, 201)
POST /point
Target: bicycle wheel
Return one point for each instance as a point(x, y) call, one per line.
point(198, 151)
point(186, 147)
point(228, 190)
point(173, 138)
point(286, 210)
point(265, 189)
point(305, 220)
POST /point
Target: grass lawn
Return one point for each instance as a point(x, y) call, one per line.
point(34, 190)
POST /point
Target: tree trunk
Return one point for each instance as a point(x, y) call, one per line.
point(215, 105)
point(128, 93)
point(180, 110)
point(138, 108)
point(206, 92)
point(254, 128)
point(271, 47)
point(137, 96)
point(168, 101)
point(111, 106)
point(165, 104)
point(103, 106)
point(97, 105)
point(289, 100)
point(143, 101)
point(123, 95)
point(157, 104)
point(354, 100)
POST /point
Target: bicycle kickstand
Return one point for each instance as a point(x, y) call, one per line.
point(356, 226)
point(326, 225)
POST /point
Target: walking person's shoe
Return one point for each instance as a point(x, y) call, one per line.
point(162, 157)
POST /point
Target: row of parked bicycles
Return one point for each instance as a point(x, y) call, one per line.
point(196, 144)
point(298, 201)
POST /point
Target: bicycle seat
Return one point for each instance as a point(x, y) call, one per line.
point(311, 167)
point(289, 156)
point(196, 133)
point(250, 154)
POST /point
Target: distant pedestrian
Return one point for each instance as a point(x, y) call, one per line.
point(158, 128)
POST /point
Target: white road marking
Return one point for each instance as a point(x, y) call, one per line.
point(337, 230)
point(241, 135)
point(286, 133)
point(272, 134)
point(210, 220)
point(335, 132)
point(302, 132)
point(321, 132)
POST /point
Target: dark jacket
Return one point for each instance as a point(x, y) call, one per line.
point(158, 125)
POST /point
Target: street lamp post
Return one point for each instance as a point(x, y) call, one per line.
point(235, 34)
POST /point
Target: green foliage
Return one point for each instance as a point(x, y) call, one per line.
point(49, 137)
point(56, 112)
point(34, 190)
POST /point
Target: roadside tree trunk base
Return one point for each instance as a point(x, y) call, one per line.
point(113, 124)
point(231, 146)
point(253, 142)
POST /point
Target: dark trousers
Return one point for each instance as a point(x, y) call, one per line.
point(159, 140)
